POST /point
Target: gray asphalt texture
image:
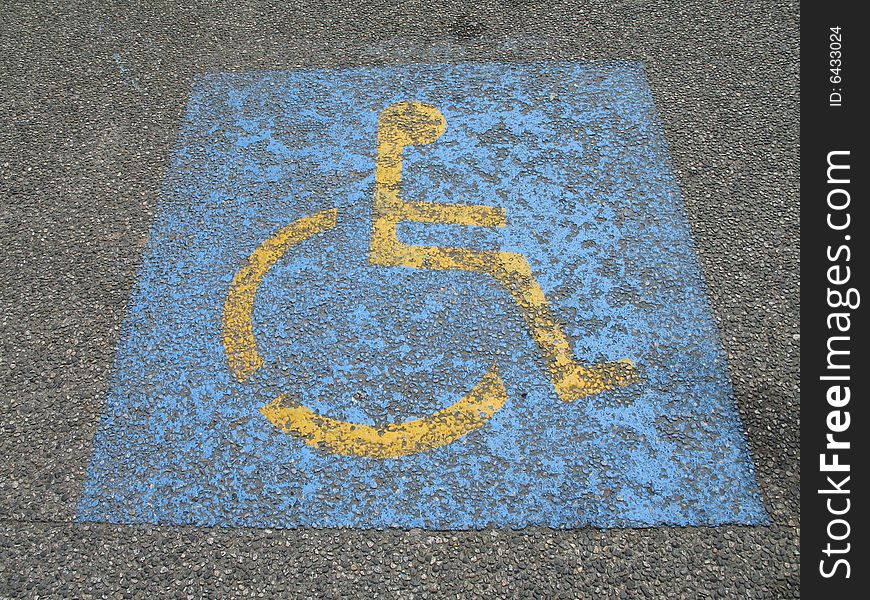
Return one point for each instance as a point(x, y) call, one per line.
point(90, 102)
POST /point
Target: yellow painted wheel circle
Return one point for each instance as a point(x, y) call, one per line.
point(471, 412)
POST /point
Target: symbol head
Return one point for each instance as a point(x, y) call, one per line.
point(411, 123)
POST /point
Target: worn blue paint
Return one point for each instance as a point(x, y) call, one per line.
point(575, 154)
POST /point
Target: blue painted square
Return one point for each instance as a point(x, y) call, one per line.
point(576, 156)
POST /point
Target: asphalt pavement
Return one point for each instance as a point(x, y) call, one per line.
point(92, 104)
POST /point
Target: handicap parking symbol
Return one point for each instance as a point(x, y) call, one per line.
point(406, 124)
point(443, 296)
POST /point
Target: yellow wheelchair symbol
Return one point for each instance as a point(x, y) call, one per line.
point(409, 124)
